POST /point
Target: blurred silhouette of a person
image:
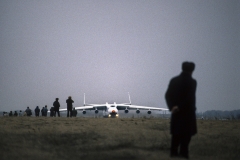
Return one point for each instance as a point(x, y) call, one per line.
point(56, 106)
point(10, 114)
point(181, 101)
point(74, 112)
point(51, 112)
point(42, 111)
point(20, 113)
point(15, 114)
point(45, 110)
point(37, 110)
point(28, 111)
point(69, 102)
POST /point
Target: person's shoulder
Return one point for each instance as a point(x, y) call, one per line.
point(175, 78)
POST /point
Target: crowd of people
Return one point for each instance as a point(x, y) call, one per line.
point(54, 111)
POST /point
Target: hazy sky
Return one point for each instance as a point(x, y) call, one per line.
point(106, 48)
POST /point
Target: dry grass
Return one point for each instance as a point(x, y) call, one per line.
point(103, 138)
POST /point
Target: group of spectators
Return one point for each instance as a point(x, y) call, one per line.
point(54, 111)
point(44, 111)
point(11, 113)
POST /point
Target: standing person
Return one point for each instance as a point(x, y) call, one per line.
point(37, 110)
point(69, 102)
point(56, 106)
point(28, 111)
point(15, 114)
point(181, 99)
point(10, 114)
point(45, 110)
point(51, 111)
point(42, 111)
point(20, 113)
point(74, 112)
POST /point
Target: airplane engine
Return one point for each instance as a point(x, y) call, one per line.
point(137, 111)
point(96, 111)
point(84, 112)
point(149, 112)
point(126, 111)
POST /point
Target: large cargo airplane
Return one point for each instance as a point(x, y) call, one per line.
point(112, 109)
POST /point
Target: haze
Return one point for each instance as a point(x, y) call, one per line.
point(107, 48)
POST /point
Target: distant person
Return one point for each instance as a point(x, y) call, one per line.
point(37, 111)
point(56, 106)
point(69, 102)
point(5, 114)
point(74, 112)
point(51, 111)
point(10, 114)
point(20, 113)
point(181, 99)
point(42, 111)
point(45, 110)
point(28, 111)
point(15, 114)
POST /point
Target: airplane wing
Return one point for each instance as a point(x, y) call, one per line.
point(88, 107)
point(135, 107)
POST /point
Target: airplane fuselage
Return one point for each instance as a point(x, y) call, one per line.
point(112, 110)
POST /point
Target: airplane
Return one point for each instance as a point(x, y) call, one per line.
point(113, 109)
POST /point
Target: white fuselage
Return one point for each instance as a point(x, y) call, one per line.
point(112, 110)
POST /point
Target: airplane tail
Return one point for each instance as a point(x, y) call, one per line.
point(84, 103)
point(129, 98)
point(130, 103)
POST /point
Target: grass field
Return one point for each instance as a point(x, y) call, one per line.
point(61, 138)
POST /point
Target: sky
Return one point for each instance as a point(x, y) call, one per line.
point(107, 48)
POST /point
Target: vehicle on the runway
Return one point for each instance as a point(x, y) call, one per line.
point(112, 109)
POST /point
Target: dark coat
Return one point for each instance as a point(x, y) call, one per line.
point(74, 113)
point(15, 113)
point(181, 92)
point(52, 111)
point(42, 111)
point(28, 111)
point(69, 103)
point(56, 105)
point(45, 110)
point(37, 110)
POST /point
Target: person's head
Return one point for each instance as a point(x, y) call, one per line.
point(69, 97)
point(56, 99)
point(27, 107)
point(188, 67)
point(45, 106)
